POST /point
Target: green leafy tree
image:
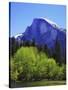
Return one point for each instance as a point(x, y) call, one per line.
point(24, 61)
point(61, 75)
point(52, 69)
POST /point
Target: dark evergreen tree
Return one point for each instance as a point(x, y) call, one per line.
point(58, 52)
point(33, 42)
point(13, 46)
point(26, 43)
point(39, 48)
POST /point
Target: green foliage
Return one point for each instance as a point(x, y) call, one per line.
point(61, 75)
point(55, 71)
point(52, 69)
point(13, 70)
point(29, 64)
point(23, 62)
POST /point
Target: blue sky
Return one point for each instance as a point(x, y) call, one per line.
point(22, 15)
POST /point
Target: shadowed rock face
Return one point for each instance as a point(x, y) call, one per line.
point(45, 32)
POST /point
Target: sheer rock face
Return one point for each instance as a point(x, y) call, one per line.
point(45, 32)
